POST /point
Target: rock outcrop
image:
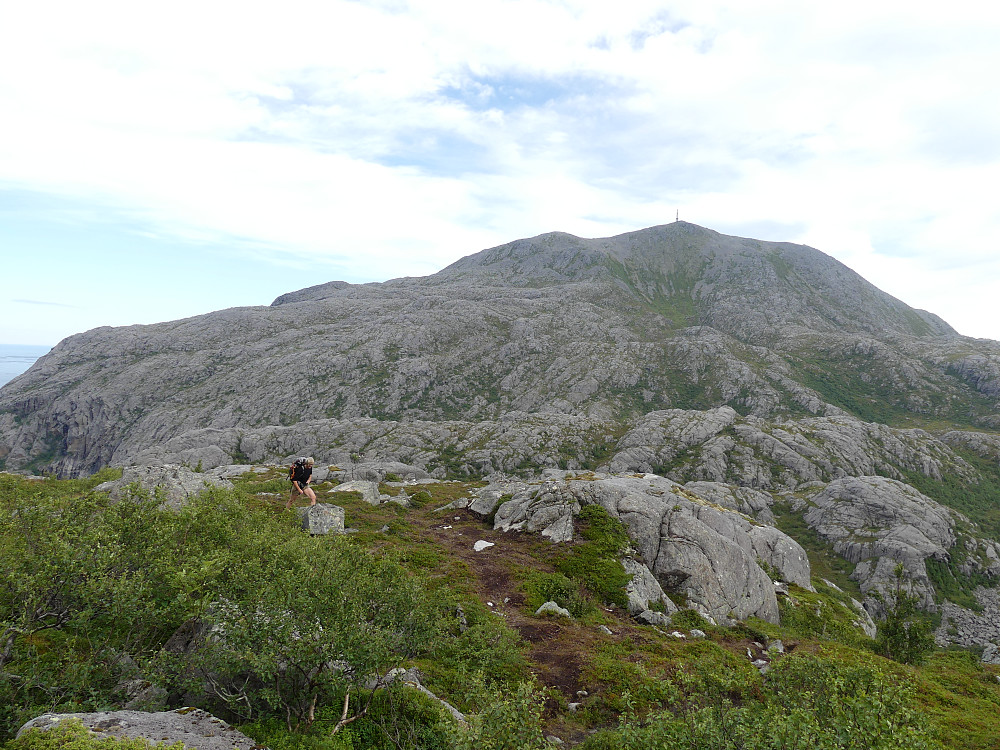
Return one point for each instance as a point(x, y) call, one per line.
point(197, 729)
point(964, 627)
point(706, 553)
point(880, 524)
point(173, 484)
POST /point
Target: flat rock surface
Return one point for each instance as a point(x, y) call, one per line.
point(192, 726)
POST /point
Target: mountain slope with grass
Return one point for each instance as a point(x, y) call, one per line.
point(408, 589)
point(764, 378)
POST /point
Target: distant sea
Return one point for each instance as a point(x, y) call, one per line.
point(16, 358)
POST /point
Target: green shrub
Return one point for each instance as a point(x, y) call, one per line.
point(555, 587)
point(688, 619)
point(420, 498)
point(904, 635)
point(487, 646)
point(398, 718)
point(282, 627)
point(807, 702)
point(596, 563)
point(506, 720)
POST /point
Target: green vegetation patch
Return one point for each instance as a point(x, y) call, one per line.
point(823, 561)
point(824, 614)
point(952, 584)
point(596, 563)
point(804, 701)
point(961, 698)
point(541, 587)
point(651, 676)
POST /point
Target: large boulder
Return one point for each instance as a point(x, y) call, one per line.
point(548, 509)
point(643, 590)
point(197, 729)
point(368, 490)
point(173, 483)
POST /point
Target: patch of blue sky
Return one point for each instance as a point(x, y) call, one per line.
point(896, 240)
point(72, 265)
point(513, 91)
point(438, 152)
point(17, 358)
point(662, 23)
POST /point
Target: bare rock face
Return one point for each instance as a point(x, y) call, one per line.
point(643, 590)
point(782, 553)
point(722, 447)
point(704, 552)
point(880, 523)
point(174, 484)
point(966, 628)
point(746, 500)
point(548, 510)
point(197, 729)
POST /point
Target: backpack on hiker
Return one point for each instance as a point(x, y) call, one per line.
point(297, 471)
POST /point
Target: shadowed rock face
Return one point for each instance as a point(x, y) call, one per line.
point(605, 330)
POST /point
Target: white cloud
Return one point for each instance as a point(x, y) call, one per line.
point(390, 138)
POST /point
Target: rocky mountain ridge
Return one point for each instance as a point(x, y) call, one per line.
point(671, 317)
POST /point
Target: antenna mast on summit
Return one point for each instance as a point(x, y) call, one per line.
point(678, 216)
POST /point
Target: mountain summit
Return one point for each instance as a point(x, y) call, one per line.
point(754, 290)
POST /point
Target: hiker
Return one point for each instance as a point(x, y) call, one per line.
point(301, 475)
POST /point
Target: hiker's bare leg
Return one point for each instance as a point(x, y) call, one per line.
point(294, 493)
point(307, 491)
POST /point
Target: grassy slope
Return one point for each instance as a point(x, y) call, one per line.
point(959, 695)
point(578, 662)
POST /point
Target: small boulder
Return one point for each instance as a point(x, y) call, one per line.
point(553, 609)
point(654, 618)
point(322, 518)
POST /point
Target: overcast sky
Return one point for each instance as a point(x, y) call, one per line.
point(162, 160)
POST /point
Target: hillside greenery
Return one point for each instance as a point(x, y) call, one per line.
point(94, 593)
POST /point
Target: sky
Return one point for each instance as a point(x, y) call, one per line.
point(164, 160)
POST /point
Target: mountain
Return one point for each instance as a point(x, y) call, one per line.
point(675, 316)
point(764, 377)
